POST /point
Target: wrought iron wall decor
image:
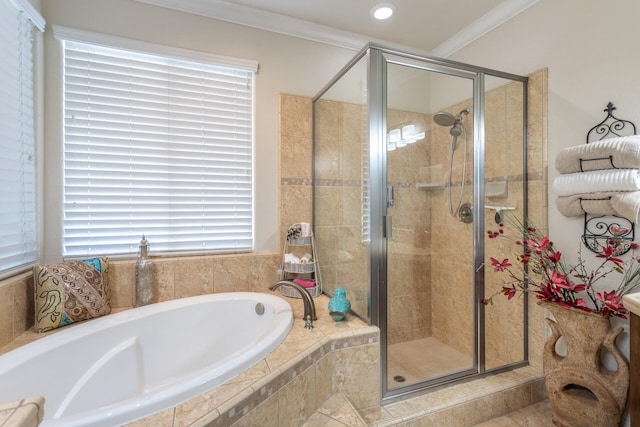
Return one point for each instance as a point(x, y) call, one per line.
point(601, 231)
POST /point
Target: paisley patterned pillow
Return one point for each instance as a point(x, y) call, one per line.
point(70, 291)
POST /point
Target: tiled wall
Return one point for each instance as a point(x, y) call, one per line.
point(343, 251)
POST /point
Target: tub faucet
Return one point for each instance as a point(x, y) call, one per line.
point(307, 299)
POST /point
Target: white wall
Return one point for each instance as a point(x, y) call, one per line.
point(287, 65)
point(591, 51)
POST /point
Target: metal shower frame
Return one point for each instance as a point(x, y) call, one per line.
point(378, 57)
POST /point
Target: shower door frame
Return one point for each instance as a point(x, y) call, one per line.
point(378, 58)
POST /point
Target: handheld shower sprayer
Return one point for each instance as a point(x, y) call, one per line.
point(444, 118)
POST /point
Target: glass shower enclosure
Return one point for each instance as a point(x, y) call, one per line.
point(415, 159)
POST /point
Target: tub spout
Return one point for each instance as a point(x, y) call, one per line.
point(307, 299)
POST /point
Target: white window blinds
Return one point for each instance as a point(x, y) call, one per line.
point(156, 146)
point(18, 231)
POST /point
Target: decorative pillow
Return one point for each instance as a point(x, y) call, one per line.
point(70, 291)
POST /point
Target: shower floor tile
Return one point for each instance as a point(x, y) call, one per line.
point(423, 359)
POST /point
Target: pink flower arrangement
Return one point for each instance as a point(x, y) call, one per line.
point(541, 271)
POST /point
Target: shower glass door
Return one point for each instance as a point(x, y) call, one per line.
point(430, 252)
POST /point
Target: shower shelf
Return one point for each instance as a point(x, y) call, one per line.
point(429, 185)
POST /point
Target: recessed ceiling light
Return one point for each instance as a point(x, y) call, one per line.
point(382, 11)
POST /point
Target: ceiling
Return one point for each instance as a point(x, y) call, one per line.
point(437, 27)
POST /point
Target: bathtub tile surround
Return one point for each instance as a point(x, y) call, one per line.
point(198, 275)
point(16, 307)
point(290, 384)
point(337, 410)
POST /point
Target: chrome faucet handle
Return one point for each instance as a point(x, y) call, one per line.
point(308, 323)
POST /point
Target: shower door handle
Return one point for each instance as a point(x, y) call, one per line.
point(389, 195)
point(388, 225)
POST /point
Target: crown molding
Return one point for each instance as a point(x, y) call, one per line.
point(481, 26)
point(268, 21)
point(263, 20)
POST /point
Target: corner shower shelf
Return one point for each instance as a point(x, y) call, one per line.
point(293, 270)
point(430, 185)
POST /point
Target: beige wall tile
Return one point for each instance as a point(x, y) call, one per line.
point(16, 306)
point(295, 116)
point(193, 276)
point(121, 283)
point(6, 314)
point(296, 401)
point(164, 419)
point(265, 414)
point(164, 279)
point(295, 157)
point(356, 375)
point(23, 308)
point(207, 403)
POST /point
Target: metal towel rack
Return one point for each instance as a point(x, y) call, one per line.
point(600, 231)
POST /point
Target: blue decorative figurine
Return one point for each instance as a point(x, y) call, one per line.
point(339, 305)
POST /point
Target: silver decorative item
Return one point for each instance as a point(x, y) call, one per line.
point(144, 275)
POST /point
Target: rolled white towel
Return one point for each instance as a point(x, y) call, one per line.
point(305, 259)
point(624, 204)
point(611, 153)
point(291, 258)
point(597, 181)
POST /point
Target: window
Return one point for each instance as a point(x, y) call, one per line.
point(156, 145)
point(18, 216)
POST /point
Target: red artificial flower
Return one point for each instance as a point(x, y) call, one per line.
point(554, 257)
point(500, 266)
point(509, 292)
point(612, 304)
point(560, 280)
point(550, 280)
point(607, 253)
point(539, 246)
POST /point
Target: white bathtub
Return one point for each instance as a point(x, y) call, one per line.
point(125, 366)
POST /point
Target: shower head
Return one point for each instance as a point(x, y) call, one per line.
point(444, 118)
